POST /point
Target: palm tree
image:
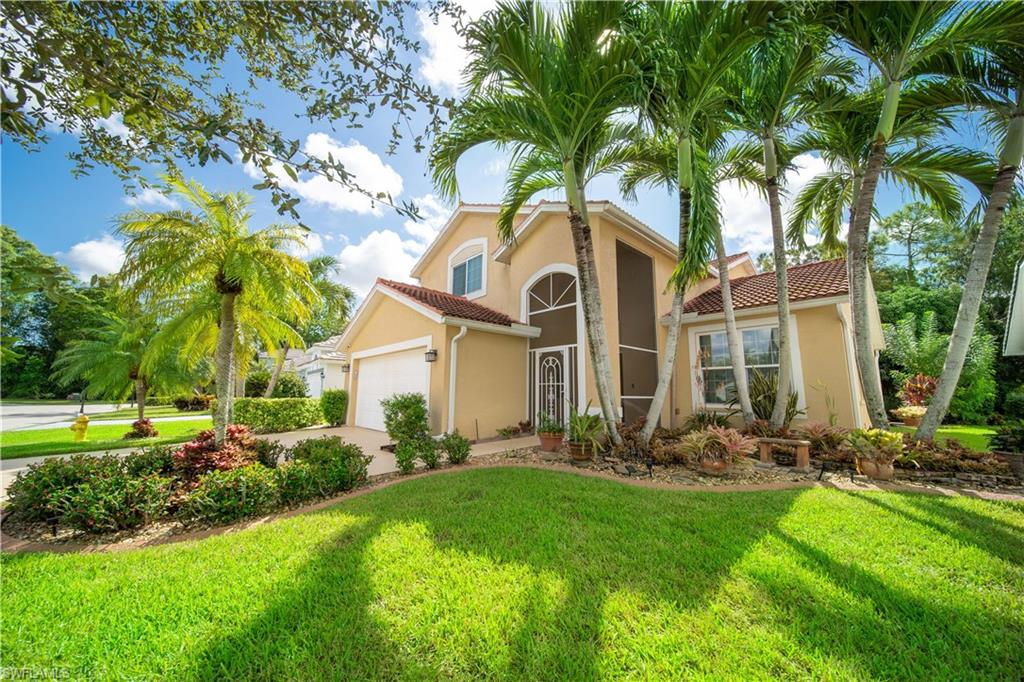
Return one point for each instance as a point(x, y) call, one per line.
point(652, 162)
point(329, 316)
point(203, 266)
point(768, 90)
point(547, 87)
point(689, 48)
point(110, 360)
point(903, 40)
point(1001, 74)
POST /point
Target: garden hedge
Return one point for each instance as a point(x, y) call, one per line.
point(334, 402)
point(274, 415)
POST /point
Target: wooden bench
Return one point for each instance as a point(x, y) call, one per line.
point(803, 451)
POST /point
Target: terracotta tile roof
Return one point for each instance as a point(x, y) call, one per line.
point(736, 256)
point(449, 304)
point(808, 281)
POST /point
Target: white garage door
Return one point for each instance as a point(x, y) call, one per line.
point(383, 376)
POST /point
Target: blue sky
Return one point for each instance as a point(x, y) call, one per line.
point(72, 217)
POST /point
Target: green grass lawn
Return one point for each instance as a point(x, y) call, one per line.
point(526, 574)
point(151, 413)
point(29, 443)
point(969, 435)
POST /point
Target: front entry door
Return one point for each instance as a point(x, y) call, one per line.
point(552, 372)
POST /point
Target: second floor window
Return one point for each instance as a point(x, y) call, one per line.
point(467, 276)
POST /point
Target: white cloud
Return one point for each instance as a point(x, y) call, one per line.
point(446, 55)
point(151, 196)
point(382, 253)
point(369, 171)
point(433, 216)
point(94, 257)
point(495, 167)
point(745, 215)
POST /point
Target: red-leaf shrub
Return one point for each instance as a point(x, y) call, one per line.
point(142, 428)
point(201, 454)
point(918, 390)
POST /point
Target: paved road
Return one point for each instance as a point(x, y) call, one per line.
point(124, 422)
point(15, 416)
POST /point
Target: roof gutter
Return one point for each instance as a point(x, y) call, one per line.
point(453, 362)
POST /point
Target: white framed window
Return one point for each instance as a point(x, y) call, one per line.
point(467, 269)
point(760, 347)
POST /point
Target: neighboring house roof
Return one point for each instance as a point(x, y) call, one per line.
point(822, 279)
point(449, 305)
point(1013, 340)
point(732, 261)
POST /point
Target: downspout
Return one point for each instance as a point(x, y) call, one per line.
point(453, 361)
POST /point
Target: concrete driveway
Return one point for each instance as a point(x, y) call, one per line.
point(370, 441)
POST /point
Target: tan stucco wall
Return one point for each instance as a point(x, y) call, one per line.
point(491, 382)
point(388, 322)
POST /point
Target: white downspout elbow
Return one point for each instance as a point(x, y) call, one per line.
point(453, 361)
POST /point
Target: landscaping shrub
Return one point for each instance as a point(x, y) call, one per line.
point(113, 503)
point(405, 417)
point(878, 445)
point(455, 446)
point(1013, 403)
point(196, 402)
point(949, 456)
point(156, 459)
point(712, 443)
point(142, 428)
point(340, 466)
point(33, 494)
point(763, 388)
point(201, 454)
point(256, 382)
point(270, 452)
point(429, 453)
point(275, 415)
point(226, 496)
point(290, 385)
point(334, 405)
point(825, 439)
point(731, 444)
point(702, 419)
point(297, 482)
point(406, 453)
point(762, 428)
point(1009, 437)
point(917, 390)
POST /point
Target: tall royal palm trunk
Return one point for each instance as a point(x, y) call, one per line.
point(668, 363)
point(732, 334)
point(278, 366)
point(141, 388)
point(974, 283)
point(857, 260)
point(781, 282)
point(593, 314)
point(224, 359)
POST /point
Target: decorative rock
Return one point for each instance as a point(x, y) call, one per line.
point(621, 469)
point(631, 469)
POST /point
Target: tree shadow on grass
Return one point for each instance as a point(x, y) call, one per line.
point(501, 573)
point(887, 632)
point(944, 515)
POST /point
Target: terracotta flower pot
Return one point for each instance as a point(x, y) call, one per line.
point(550, 442)
point(715, 467)
point(581, 452)
point(875, 470)
point(912, 421)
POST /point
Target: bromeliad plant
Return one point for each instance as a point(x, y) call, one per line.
point(877, 445)
point(917, 390)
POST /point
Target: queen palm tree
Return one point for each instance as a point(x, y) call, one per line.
point(203, 265)
point(328, 317)
point(689, 48)
point(1001, 73)
point(651, 162)
point(903, 41)
point(768, 98)
point(548, 87)
point(109, 359)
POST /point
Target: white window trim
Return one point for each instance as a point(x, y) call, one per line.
point(581, 332)
point(757, 323)
point(457, 257)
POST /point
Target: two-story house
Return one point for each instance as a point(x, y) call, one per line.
point(494, 332)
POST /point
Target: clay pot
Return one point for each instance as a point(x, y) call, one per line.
point(912, 421)
point(581, 452)
point(875, 470)
point(550, 442)
point(715, 467)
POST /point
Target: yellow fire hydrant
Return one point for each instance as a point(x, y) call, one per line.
point(79, 428)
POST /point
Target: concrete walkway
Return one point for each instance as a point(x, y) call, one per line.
point(370, 441)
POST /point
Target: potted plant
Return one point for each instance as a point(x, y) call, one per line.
point(584, 430)
point(910, 415)
point(715, 448)
point(551, 432)
point(876, 450)
point(1008, 445)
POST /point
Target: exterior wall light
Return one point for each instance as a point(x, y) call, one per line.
point(431, 355)
point(346, 368)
